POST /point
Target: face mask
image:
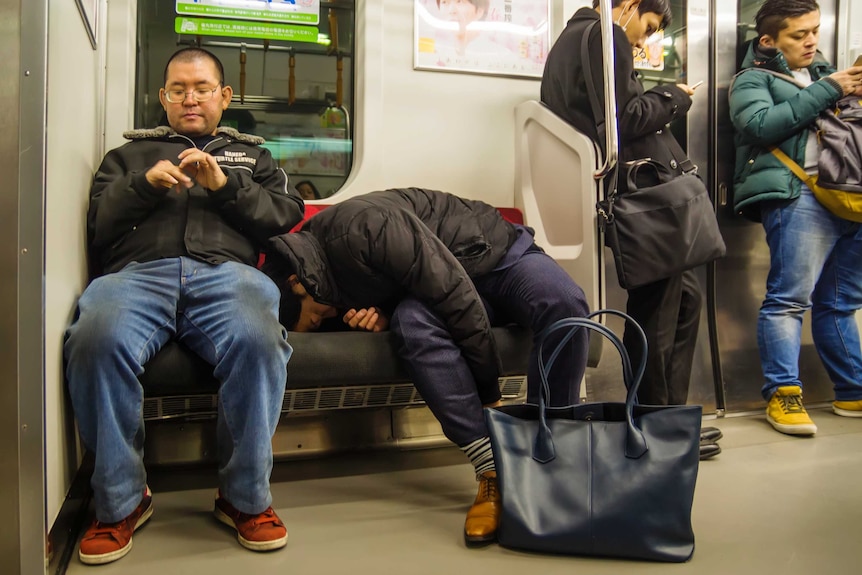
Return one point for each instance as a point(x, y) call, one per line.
point(623, 26)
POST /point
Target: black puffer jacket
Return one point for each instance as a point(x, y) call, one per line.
point(373, 250)
point(129, 220)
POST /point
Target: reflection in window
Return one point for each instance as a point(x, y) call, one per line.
point(295, 93)
point(663, 59)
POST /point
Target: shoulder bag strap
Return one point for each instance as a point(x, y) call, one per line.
point(605, 211)
point(598, 112)
point(797, 170)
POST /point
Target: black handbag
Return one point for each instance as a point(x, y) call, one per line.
point(659, 230)
point(605, 479)
point(655, 230)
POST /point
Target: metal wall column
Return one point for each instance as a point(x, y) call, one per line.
point(23, 43)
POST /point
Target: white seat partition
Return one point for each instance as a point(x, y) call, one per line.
point(556, 191)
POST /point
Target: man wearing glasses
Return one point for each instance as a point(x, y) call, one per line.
point(175, 223)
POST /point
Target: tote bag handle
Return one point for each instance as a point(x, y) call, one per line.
point(636, 444)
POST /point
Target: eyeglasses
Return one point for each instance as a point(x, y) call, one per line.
point(199, 94)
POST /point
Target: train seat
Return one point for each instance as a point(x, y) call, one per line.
point(555, 194)
point(179, 384)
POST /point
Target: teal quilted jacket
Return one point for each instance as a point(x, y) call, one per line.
point(769, 111)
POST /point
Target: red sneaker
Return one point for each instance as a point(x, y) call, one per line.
point(106, 542)
point(261, 532)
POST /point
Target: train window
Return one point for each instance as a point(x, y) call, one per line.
point(664, 59)
point(290, 66)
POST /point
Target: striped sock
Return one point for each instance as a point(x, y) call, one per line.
point(480, 455)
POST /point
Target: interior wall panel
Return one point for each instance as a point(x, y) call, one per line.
point(22, 120)
point(75, 116)
point(10, 539)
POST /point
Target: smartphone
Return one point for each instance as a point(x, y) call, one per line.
point(696, 86)
point(858, 61)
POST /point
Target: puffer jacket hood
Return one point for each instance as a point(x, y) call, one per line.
point(307, 258)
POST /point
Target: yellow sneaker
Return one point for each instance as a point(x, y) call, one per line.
point(848, 408)
point(786, 413)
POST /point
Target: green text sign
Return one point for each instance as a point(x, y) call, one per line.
point(244, 29)
point(299, 11)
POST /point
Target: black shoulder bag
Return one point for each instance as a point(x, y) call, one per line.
point(660, 229)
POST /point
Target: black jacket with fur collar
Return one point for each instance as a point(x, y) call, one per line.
point(129, 220)
point(375, 249)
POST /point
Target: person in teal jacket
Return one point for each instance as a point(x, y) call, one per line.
point(814, 255)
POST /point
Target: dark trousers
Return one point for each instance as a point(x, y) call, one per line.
point(669, 313)
point(533, 292)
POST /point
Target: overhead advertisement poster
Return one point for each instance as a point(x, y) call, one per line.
point(290, 20)
point(651, 55)
point(500, 37)
point(296, 11)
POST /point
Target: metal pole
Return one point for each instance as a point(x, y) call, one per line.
point(611, 125)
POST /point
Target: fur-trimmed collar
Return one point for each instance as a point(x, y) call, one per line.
point(163, 131)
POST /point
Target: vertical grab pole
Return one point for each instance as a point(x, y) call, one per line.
point(242, 73)
point(291, 79)
point(611, 125)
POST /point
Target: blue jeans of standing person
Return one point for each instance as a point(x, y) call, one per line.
point(815, 263)
point(227, 314)
point(531, 290)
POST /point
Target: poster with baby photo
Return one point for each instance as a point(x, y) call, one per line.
point(501, 37)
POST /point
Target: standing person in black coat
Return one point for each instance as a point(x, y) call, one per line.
point(669, 309)
point(444, 269)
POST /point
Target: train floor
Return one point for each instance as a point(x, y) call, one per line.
point(769, 503)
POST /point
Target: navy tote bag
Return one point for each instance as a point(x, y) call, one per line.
point(605, 479)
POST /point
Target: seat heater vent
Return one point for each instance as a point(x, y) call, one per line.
point(196, 406)
point(322, 399)
point(513, 387)
point(330, 398)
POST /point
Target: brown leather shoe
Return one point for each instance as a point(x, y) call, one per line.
point(484, 516)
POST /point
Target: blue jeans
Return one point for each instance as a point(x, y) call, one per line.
point(534, 291)
point(815, 263)
point(227, 314)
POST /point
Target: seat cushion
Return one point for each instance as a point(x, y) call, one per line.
point(320, 359)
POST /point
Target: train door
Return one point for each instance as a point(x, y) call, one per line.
point(739, 279)
point(705, 43)
point(679, 54)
